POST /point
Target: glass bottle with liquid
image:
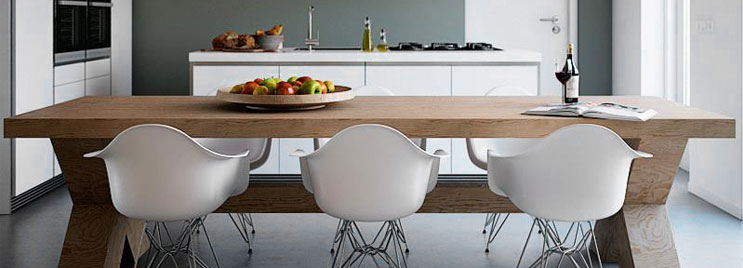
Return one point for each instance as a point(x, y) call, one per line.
point(382, 46)
point(569, 78)
point(366, 43)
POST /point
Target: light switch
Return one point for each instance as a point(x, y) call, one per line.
point(705, 26)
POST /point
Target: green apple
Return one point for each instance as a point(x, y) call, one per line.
point(271, 84)
point(292, 79)
point(261, 90)
point(310, 87)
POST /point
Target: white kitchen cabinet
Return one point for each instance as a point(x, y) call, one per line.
point(289, 164)
point(351, 75)
point(33, 76)
point(97, 68)
point(411, 80)
point(63, 93)
point(494, 81)
point(99, 86)
point(69, 73)
point(501, 80)
point(206, 80)
point(272, 163)
point(121, 49)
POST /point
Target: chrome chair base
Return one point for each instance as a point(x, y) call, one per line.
point(387, 239)
point(496, 224)
point(401, 236)
point(164, 246)
point(572, 246)
point(242, 222)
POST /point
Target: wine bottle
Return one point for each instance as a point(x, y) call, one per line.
point(569, 78)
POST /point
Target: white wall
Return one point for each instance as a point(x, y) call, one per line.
point(638, 58)
point(716, 69)
point(5, 109)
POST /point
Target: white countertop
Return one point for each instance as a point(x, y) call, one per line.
point(349, 56)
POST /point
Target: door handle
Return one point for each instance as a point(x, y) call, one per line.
point(553, 19)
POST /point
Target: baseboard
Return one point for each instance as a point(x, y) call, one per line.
point(40, 190)
point(735, 210)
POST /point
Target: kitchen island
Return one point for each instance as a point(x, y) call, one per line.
point(639, 235)
point(511, 72)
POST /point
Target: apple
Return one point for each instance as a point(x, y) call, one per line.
point(258, 80)
point(261, 90)
point(296, 84)
point(249, 87)
point(310, 87)
point(237, 89)
point(323, 88)
point(304, 79)
point(285, 88)
point(292, 79)
point(271, 84)
point(331, 86)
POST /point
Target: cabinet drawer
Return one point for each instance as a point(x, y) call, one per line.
point(68, 92)
point(405, 80)
point(69, 73)
point(97, 68)
point(99, 86)
point(495, 80)
point(206, 80)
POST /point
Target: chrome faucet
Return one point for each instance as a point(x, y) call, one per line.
point(309, 41)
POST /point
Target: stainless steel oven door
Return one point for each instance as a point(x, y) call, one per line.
point(99, 29)
point(70, 18)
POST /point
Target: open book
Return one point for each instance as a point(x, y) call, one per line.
point(606, 110)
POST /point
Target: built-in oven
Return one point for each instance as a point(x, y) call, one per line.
point(98, 43)
point(70, 26)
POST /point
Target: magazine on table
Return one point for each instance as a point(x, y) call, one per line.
point(606, 110)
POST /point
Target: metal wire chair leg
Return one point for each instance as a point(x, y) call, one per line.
point(242, 228)
point(401, 235)
point(336, 236)
point(209, 241)
point(489, 218)
point(497, 223)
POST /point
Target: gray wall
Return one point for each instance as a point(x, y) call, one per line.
point(166, 30)
point(594, 47)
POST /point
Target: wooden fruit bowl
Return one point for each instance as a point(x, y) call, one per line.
point(287, 102)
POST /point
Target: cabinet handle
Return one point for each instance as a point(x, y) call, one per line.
point(73, 3)
point(100, 4)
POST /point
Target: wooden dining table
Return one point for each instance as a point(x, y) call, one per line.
point(639, 235)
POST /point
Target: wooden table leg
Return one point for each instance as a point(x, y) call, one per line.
point(96, 233)
point(650, 179)
point(638, 236)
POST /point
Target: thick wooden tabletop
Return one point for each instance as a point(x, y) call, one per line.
point(433, 117)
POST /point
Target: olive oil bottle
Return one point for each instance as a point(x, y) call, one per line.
point(366, 43)
point(382, 46)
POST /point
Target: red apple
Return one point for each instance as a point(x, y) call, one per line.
point(304, 79)
point(249, 87)
point(258, 80)
point(285, 88)
point(296, 84)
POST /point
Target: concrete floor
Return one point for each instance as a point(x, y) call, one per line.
point(705, 237)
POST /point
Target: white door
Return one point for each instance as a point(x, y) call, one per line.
point(516, 24)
